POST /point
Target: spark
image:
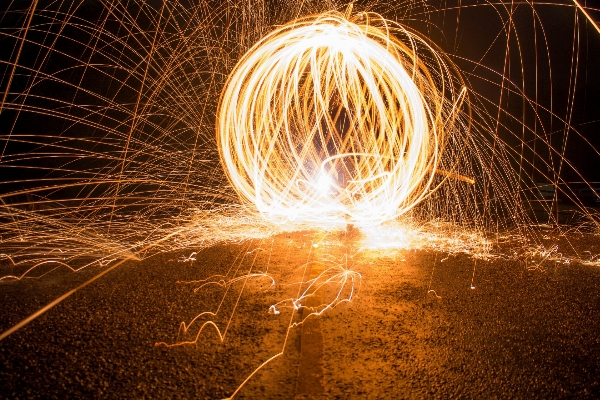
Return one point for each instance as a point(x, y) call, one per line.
point(587, 15)
point(330, 119)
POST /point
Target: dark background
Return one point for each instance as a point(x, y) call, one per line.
point(70, 106)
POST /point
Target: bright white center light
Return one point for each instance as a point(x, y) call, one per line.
point(324, 183)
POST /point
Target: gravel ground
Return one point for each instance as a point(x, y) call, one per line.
point(517, 334)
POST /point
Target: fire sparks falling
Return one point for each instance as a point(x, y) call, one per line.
point(327, 120)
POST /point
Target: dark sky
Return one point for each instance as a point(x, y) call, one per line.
point(552, 59)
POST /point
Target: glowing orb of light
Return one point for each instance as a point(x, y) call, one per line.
point(336, 119)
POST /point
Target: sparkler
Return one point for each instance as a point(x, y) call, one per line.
point(352, 142)
point(325, 120)
point(334, 119)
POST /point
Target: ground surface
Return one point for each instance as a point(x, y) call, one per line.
point(416, 329)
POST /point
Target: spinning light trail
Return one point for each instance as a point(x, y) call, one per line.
point(330, 119)
point(337, 119)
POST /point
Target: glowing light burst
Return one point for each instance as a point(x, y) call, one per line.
point(328, 120)
point(336, 119)
point(432, 236)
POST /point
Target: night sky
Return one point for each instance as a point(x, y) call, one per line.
point(540, 64)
